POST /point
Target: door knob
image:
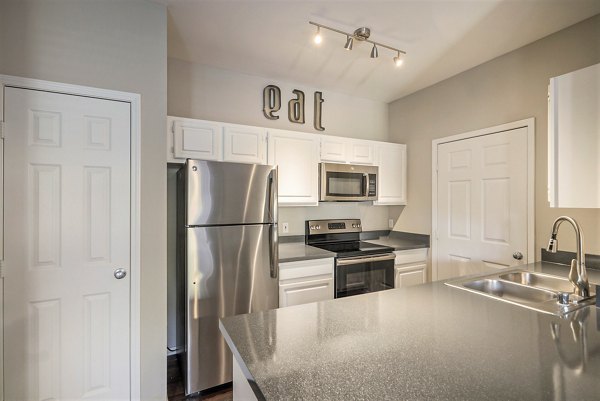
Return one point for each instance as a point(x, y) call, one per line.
point(120, 273)
point(518, 255)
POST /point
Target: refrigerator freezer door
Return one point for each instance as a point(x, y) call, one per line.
point(220, 193)
point(228, 273)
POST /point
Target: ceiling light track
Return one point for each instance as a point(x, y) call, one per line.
point(362, 35)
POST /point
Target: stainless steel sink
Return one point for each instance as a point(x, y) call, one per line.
point(536, 291)
point(510, 291)
point(539, 280)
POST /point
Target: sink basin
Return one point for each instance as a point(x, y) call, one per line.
point(538, 280)
point(535, 291)
point(510, 291)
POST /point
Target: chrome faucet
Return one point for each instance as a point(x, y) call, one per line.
point(578, 274)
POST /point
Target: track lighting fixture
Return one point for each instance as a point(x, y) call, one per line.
point(318, 38)
point(349, 41)
point(374, 52)
point(362, 35)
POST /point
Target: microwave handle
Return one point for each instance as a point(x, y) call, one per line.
point(366, 184)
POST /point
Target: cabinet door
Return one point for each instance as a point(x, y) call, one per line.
point(244, 144)
point(334, 149)
point(303, 292)
point(297, 157)
point(406, 277)
point(361, 152)
point(391, 158)
point(197, 139)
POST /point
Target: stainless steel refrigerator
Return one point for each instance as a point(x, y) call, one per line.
point(227, 239)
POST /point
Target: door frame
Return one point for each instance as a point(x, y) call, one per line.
point(134, 100)
point(528, 123)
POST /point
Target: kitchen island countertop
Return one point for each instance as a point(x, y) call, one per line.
point(425, 342)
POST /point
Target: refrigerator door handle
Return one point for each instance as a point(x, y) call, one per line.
point(274, 247)
point(273, 200)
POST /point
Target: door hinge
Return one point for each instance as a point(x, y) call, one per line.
point(1, 129)
point(2, 269)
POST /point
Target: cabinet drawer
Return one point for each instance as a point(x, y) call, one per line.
point(305, 291)
point(411, 256)
point(305, 268)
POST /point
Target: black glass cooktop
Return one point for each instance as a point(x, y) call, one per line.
point(353, 248)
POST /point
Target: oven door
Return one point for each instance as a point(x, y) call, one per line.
point(360, 275)
point(346, 182)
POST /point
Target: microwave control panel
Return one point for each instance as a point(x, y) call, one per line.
point(372, 184)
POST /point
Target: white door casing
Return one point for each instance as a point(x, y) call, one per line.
point(70, 208)
point(483, 200)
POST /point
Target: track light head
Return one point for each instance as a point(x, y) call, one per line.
point(374, 52)
point(318, 38)
point(349, 42)
point(398, 61)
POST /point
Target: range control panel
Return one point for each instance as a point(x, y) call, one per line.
point(333, 226)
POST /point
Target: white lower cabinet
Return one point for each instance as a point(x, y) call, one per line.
point(305, 281)
point(410, 267)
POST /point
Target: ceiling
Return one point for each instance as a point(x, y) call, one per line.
point(442, 38)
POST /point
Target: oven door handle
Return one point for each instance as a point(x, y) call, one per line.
point(362, 259)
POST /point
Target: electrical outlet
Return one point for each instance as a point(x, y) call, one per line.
point(285, 228)
point(391, 223)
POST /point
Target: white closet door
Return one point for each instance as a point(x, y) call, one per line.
point(67, 228)
point(482, 203)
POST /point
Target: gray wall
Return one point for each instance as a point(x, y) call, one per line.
point(509, 88)
point(118, 45)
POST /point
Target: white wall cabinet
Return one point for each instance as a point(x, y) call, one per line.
point(391, 159)
point(410, 267)
point(334, 149)
point(297, 157)
point(305, 281)
point(346, 150)
point(361, 152)
point(574, 139)
point(196, 139)
point(244, 144)
point(209, 140)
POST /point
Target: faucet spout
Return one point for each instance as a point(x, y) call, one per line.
point(578, 273)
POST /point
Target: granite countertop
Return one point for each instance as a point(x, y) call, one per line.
point(295, 251)
point(399, 244)
point(424, 342)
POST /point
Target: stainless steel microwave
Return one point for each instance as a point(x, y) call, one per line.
point(347, 182)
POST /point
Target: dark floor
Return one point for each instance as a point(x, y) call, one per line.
point(175, 390)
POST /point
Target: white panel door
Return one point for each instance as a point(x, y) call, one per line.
point(482, 203)
point(297, 157)
point(67, 226)
point(244, 144)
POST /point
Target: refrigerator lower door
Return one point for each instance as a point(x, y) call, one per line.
point(228, 272)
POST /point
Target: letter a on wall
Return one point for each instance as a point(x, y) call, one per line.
point(296, 107)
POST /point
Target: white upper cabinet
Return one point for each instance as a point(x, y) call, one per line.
point(346, 150)
point(334, 149)
point(574, 139)
point(297, 156)
point(361, 152)
point(196, 139)
point(391, 159)
point(209, 140)
point(244, 144)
